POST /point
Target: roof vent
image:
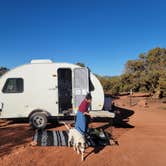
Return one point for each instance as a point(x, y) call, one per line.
point(41, 61)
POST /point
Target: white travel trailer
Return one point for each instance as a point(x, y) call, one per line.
point(44, 89)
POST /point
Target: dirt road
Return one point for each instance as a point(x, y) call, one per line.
point(142, 145)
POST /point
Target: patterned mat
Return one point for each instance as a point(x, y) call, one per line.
point(60, 138)
point(51, 138)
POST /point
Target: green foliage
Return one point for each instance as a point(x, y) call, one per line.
point(145, 74)
point(80, 64)
point(3, 70)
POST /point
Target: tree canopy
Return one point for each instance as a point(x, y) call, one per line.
point(3, 70)
point(80, 64)
point(145, 74)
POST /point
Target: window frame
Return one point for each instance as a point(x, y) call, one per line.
point(6, 82)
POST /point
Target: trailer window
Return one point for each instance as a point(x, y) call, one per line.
point(13, 85)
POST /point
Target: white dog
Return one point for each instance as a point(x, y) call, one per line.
point(77, 140)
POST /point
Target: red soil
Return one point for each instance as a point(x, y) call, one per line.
point(142, 145)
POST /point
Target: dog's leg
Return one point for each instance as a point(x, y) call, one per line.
point(82, 156)
point(82, 149)
point(78, 152)
point(72, 141)
point(69, 139)
point(68, 142)
point(78, 148)
point(74, 146)
point(82, 152)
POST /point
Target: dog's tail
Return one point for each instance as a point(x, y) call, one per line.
point(66, 126)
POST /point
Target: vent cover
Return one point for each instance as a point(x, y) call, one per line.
point(41, 61)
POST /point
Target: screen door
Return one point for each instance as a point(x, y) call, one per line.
point(81, 85)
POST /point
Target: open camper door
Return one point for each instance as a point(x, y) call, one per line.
point(81, 86)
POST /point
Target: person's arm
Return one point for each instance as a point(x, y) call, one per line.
point(87, 113)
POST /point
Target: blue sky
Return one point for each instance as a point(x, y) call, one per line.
point(103, 34)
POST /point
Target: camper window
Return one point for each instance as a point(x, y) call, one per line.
point(13, 85)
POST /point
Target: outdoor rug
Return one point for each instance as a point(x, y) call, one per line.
point(51, 138)
point(60, 138)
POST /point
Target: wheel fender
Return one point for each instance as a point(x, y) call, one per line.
point(41, 111)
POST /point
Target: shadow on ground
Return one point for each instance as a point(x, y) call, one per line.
point(121, 120)
point(122, 117)
point(14, 136)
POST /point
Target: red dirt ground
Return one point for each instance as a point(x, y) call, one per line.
point(144, 145)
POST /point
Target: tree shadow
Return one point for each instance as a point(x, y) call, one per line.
point(109, 142)
point(13, 137)
point(121, 119)
point(95, 150)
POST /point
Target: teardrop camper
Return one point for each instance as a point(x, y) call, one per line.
point(44, 89)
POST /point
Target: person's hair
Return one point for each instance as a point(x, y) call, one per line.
point(88, 96)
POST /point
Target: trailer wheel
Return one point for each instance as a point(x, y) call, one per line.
point(38, 120)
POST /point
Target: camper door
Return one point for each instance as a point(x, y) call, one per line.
point(81, 86)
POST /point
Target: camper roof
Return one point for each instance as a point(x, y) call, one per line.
point(41, 61)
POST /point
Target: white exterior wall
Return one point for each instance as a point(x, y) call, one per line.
point(40, 90)
point(97, 94)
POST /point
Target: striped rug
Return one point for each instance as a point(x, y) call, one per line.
point(60, 138)
point(51, 138)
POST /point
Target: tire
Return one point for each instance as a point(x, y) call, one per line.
point(38, 120)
